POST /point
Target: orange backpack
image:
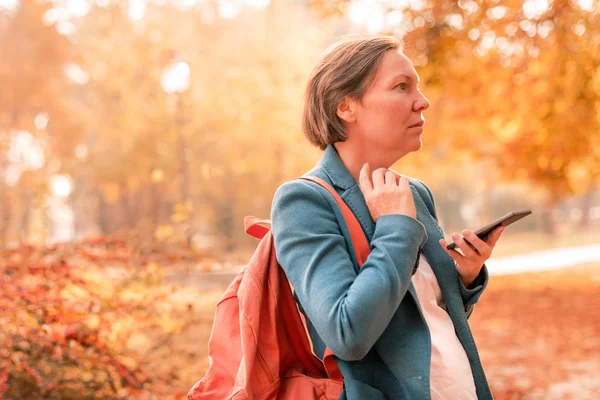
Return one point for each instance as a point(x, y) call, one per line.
point(259, 348)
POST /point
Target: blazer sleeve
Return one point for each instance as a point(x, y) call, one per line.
point(349, 310)
point(471, 295)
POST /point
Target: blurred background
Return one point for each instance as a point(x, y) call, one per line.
point(136, 135)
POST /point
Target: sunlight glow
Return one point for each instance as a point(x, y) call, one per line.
point(34, 158)
point(12, 175)
point(258, 4)
point(54, 15)
point(41, 120)
point(137, 9)
point(65, 28)
point(579, 28)
point(186, 4)
point(176, 78)
point(24, 153)
point(358, 11)
point(376, 21)
point(77, 8)
point(474, 34)
point(60, 185)
point(416, 5)
point(545, 28)
point(158, 175)
point(81, 151)
point(511, 29)
point(10, 5)
point(586, 5)
point(394, 18)
point(76, 74)
point(374, 17)
point(455, 21)
point(468, 6)
point(497, 12)
point(533, 52)
point(534, 9)
point(487, 41)
point(20, 143)
point(228, 10)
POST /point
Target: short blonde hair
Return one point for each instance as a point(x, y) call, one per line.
point(345, 69)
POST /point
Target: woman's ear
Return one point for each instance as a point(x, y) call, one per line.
point(345, 110)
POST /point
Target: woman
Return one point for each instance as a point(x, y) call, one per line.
point(396, 335)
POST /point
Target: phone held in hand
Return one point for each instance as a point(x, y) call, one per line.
point(483, 232)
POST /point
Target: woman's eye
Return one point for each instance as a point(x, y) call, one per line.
point(402, 86)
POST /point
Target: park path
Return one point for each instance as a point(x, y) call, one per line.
point(545, 260)
point(538, 261)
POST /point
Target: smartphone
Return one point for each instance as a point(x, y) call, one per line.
point(483, 233)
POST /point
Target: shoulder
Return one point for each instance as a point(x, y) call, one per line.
point(302, 208)
point(300, 196)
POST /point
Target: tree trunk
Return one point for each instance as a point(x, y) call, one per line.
point(85, 204)
point(586, 204)
point(15, 212)
point(4, 213)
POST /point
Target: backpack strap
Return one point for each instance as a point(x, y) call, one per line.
point(359, 240)
point(362, 250)
point(258, 228)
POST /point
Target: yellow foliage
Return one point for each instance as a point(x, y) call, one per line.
point(111, 192)
point(93, 321)
point(170, 325)
point(163, 232)
point(158, 175)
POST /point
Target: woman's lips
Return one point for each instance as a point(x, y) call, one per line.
point(418, 127)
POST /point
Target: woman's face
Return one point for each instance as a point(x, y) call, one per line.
point(385, 118)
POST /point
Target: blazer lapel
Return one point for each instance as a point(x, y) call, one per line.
point(353, 197)
point(441, 264)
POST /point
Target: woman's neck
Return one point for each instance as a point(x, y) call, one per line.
point(354, 157)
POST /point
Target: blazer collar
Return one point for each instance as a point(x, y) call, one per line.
point(335, 169)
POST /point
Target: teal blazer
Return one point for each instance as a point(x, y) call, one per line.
point(370, 318)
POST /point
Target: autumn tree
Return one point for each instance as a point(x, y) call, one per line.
point(35, 115)
point(512, 81)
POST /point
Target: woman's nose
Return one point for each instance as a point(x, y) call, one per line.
point(422, 103)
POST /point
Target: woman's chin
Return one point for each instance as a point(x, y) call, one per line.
point(416, 145)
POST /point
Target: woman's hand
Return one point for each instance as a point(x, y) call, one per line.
point(386, 194)
point(470, 262)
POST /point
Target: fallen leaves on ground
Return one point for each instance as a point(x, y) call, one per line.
point(538, 334)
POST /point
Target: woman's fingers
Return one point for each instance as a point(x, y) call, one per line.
point(464, 246)
point(391, 178)
point(456, 256)
point(378, 177)
point(482, 247)
point(364, 179)
point(495, 235)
